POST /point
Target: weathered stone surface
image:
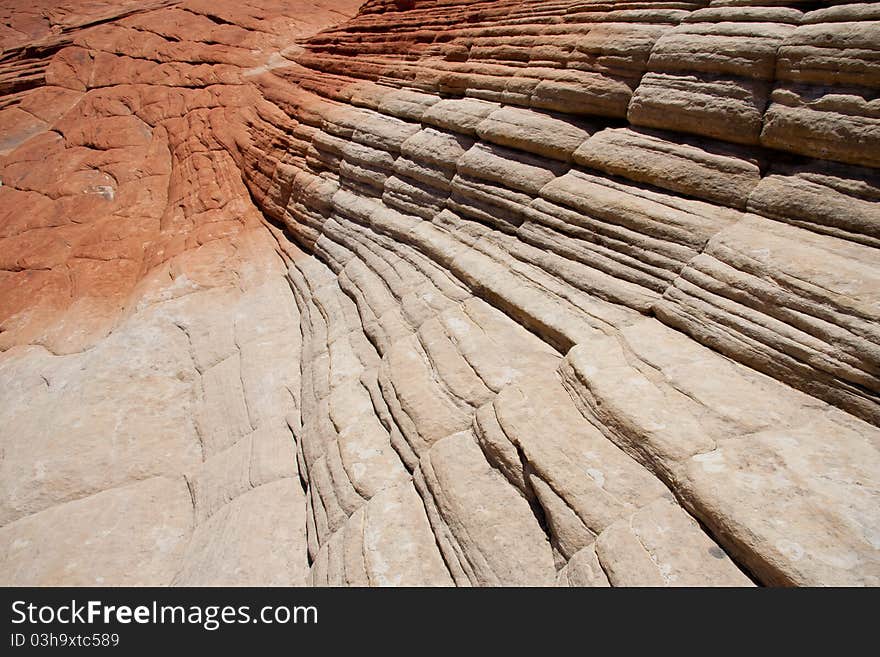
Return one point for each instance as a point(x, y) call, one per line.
point(712, 172)
point(133, 535)
point(739, 450)
point(439, 293)
point(825, 197)
point(805, 307)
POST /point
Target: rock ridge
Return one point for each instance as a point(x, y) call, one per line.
point(447, 293)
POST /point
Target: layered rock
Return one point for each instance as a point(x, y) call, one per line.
point(496, 293)
point(151, 340)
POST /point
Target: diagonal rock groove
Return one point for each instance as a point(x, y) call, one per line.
point(440, 293)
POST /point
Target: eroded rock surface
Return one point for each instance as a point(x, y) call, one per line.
point(440, 293)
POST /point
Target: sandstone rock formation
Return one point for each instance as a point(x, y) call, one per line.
point(438, 292)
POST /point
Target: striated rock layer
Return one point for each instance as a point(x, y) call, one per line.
point(449, 293)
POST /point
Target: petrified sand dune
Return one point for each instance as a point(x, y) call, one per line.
point(437, 292)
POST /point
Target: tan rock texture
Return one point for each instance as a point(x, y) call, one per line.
point(436, 292)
